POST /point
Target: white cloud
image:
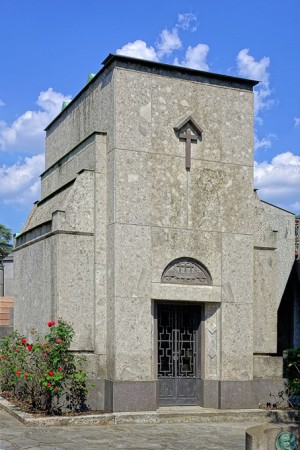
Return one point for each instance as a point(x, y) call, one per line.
point(138, 49)
point(1, 103)
point(187, 21)
point(265, 142)
point(257, 70)
point(169, 41)
point(20, 183)
point(248, 67)
point(195, 57)
point(297, 121)
point(279, 181)
point(27, 131)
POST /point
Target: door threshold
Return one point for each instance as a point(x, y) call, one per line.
point(183, 408)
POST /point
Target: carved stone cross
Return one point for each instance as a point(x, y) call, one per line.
point(188, 129)
point(189, 137)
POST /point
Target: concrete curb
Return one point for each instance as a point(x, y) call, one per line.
point(162, 415)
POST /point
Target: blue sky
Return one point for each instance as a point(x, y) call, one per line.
point(48, 48)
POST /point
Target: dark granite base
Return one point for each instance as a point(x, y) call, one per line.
point(240, 394)
point(143, 395)
point(123, 396)
point(135, 396)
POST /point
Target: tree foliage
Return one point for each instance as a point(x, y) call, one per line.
point(5, 238)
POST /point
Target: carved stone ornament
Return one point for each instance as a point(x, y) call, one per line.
point(189, 131)
point(186, 271)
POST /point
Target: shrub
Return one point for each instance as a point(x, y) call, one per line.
point(44, 373)
point(292, 370)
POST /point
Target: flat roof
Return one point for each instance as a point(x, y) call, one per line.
point(146, 64)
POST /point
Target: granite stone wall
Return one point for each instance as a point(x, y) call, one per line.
point(118, 205)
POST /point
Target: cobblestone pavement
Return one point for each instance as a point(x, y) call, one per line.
point(185, 436)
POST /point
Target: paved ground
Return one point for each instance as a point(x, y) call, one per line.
point(192, 436)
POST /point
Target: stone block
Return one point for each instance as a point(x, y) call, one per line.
point(169, 244)
point(201, 294)
point(133, 187)
point(100, 218)
point(220, 197)
point(209, 393)
point(265, 366)
point(237, 341)
point(90, 112)
point(237, 268)
point(284, 224)
point(133, 350)
point(265, 302)
point(169, 192)
point(135, 396)
point(236, 395)
point(134, 123)
point(211, 342)
point(75, 287)
point(100, 395)
point(270, 390)
point(132, 264)
point(79, 206)
point(36, 295)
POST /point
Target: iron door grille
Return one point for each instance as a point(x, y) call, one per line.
point(177, 353)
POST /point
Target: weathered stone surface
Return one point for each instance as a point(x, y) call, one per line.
point(211, 354)
point(133, 350)
point(265, 302)
point(221, 197)
point(36, 294)
point(237, 268)
point(75, 298)
point(171, 243)
point(237, 347)
point(265, 366)
point(283, 222)
point(132, 270)
point(89, 113)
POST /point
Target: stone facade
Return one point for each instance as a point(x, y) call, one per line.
point(121, 203)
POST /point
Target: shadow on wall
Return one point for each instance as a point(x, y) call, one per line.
point(288, 315)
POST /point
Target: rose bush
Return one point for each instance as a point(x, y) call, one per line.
point(44, 373)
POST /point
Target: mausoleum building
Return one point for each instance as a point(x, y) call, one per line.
point(150, 239)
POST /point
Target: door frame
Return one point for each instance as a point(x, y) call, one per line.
point(200, 341)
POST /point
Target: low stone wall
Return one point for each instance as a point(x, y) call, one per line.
point(273, 436)
point(6, 315)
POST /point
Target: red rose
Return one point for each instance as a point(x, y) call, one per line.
point(24, 341)
point(50, 373)
point(48, 384)
point(3, 357)
point(56, 388)
point(18, 373)
point(25, 375)
point(29, 347)
point(51, 324)
point(59, 369)
point(58, 341)
point(45, 354)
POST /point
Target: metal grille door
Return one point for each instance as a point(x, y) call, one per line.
point(177, 354)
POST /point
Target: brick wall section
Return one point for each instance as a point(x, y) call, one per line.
point(6, 315)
